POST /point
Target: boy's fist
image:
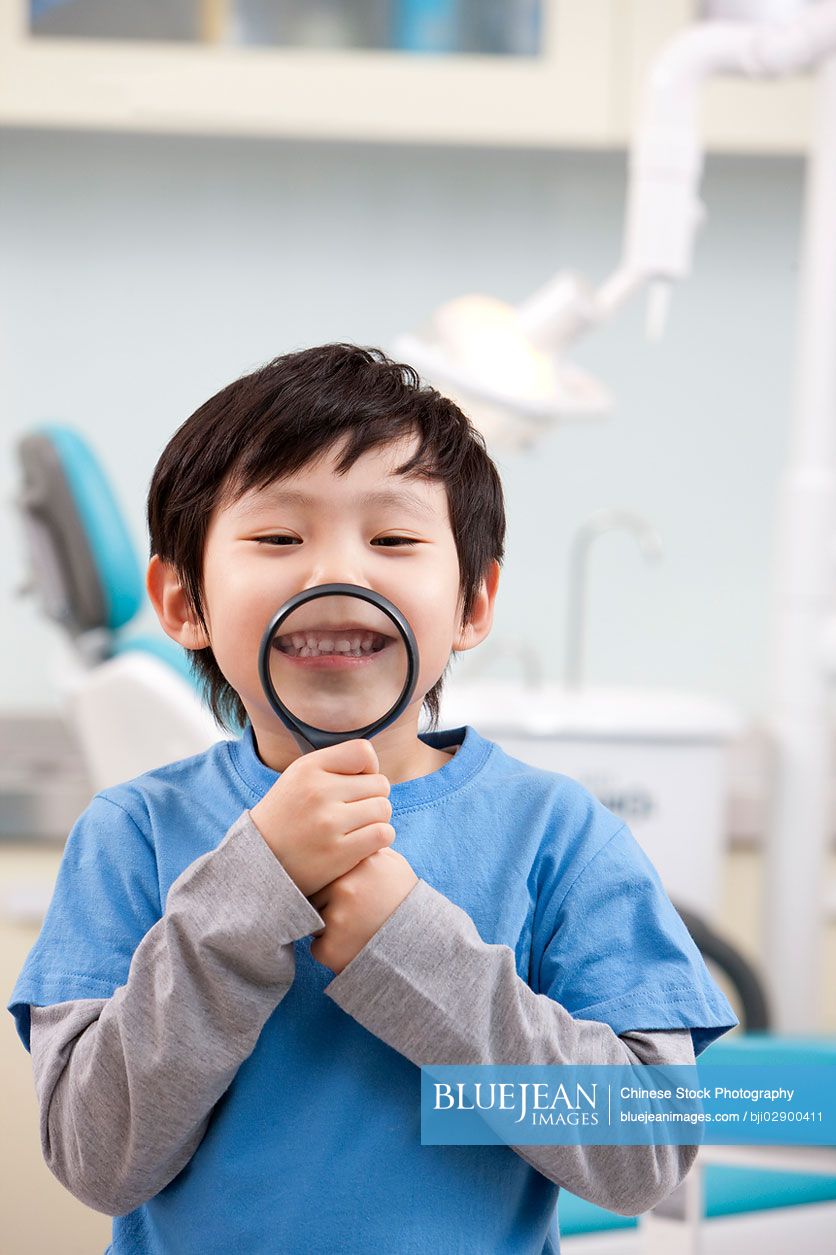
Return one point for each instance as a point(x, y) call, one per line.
point(327, 812)
point(355, 906)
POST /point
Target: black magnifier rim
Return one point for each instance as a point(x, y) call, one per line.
point(318, 738)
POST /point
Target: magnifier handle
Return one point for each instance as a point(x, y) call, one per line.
point(312, 739)
point(303, 743)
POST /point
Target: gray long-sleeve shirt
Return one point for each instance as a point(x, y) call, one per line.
point(127, 1085)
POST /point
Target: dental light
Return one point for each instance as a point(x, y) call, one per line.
point(493, 359)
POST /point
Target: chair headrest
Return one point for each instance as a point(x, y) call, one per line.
point(82, 559)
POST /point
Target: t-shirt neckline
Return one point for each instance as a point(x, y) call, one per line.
point(472, 753)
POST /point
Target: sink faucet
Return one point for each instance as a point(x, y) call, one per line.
point(598, 523)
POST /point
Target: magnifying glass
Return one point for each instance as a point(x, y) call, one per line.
point(344, 660)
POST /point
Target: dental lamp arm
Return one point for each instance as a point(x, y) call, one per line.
point(663, 207)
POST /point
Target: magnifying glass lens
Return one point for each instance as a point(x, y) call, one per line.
point(338, 663)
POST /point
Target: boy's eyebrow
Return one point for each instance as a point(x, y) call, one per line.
point(383, 496)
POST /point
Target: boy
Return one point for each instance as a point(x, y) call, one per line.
point(239, 976)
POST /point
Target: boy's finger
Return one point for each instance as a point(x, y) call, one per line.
point(358, 788)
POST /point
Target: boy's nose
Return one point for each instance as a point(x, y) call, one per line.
point(341, 576)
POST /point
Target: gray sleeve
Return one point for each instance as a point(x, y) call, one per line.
point(126, 1084)
point(431, 988)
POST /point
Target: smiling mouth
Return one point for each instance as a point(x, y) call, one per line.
point(347, 642)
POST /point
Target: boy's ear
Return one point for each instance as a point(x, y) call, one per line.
point(171, 605)
point(481, 619)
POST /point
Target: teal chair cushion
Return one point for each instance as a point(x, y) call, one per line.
point(107, 536)
point(117, 570)
point(771, 1048)
point(729, 1191)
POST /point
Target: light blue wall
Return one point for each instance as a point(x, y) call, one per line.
point(140, 274)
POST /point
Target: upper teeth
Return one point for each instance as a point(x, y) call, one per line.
point(306, 643)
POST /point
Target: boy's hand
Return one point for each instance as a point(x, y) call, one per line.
point(355, 905)
point(326, 813)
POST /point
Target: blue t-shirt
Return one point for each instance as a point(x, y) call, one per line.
point(315, 1147)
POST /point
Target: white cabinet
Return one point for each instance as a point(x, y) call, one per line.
point(581, 91)
point(562, 97)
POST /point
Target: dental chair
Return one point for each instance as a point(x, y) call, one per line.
point(128, 697)
point(735, 1200)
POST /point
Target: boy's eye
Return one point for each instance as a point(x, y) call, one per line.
point(385, 540)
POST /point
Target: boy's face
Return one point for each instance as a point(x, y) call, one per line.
point(333, 539)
